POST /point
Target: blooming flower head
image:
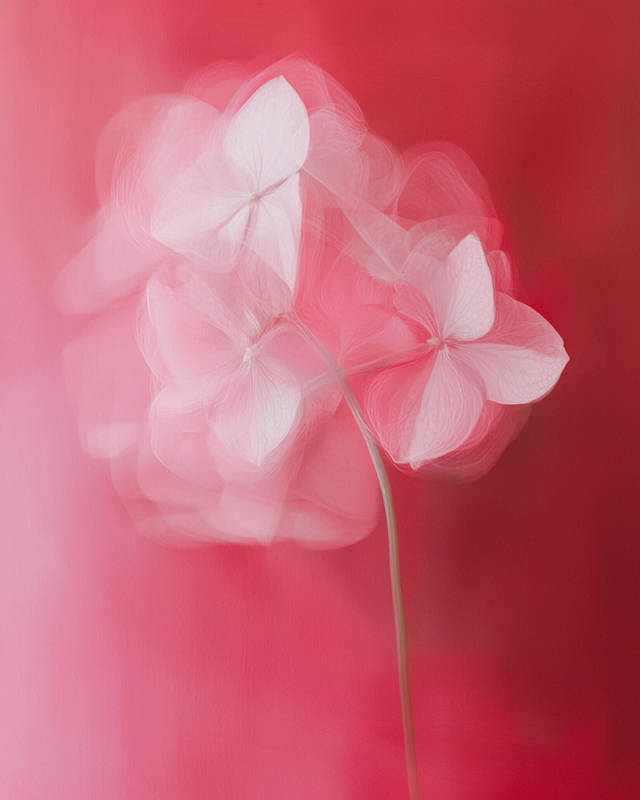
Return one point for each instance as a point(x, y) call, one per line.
point(480, 346)
point(243, 195)
point(222, 362)
point(221, 372)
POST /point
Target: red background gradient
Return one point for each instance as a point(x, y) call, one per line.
point(133, 671)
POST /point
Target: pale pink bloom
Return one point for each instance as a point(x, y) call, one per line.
point(318, 487)
point(481, 346)
point(244, 194)
point(325, 494)
point(143, 149)
point(221, 360)
point(241, 434)
point(310, 498)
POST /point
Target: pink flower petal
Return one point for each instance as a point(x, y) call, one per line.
point(384, 246)
point(334, 500)
point(413, 304)
point(522, 357)
point(269, 136)
point(274, 229)
point(337, 471)
point(108, 267)
point(111, 412)
point(248, 514)
point(392, 401)
point(198, 204)
point(461, 293)
point(186, 342)
point(334, 160)
point(368, 333)
point(449, 410)
point(424, 410)
point(178, 445)
point(258, 409)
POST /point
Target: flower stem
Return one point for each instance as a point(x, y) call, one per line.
point(394, 557)
point(400, 357)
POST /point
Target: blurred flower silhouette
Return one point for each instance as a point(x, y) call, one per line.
point(238, 315)
point(261, 269)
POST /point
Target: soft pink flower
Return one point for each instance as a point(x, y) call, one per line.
point(220, 360)
point(261, 298)
point(244, 193)
point(481, 346)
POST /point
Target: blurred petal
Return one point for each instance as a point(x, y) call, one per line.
point(369, 333)
point(269, 136)
point(383, 246)
point(110, 266)
point(248, 514)
point(177, 446)
point(333, 158)
point(442, 182)
point(201, 201)
point(109, 380)
point(337, 472)
point(188, 344)
point(413, 304)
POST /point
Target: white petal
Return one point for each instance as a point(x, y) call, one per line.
point(196, 206)
point(384, 245)
point(258, 410)
point(269, 136)
point(233, 236)
point(513, 375)
point(186, 343)
point(521, 359)
point(274, 229)
point(461, 292)
point(449, 411)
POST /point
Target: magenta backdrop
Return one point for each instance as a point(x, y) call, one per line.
point(133, 671)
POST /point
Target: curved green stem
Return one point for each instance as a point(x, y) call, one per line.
point(394, 557)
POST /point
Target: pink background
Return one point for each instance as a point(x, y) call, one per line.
point(132, 671)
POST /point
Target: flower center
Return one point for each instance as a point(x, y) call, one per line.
point(436, 342)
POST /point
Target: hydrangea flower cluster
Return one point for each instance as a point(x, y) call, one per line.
point(256, 248)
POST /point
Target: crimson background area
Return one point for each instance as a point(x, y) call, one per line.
point(131, 670)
